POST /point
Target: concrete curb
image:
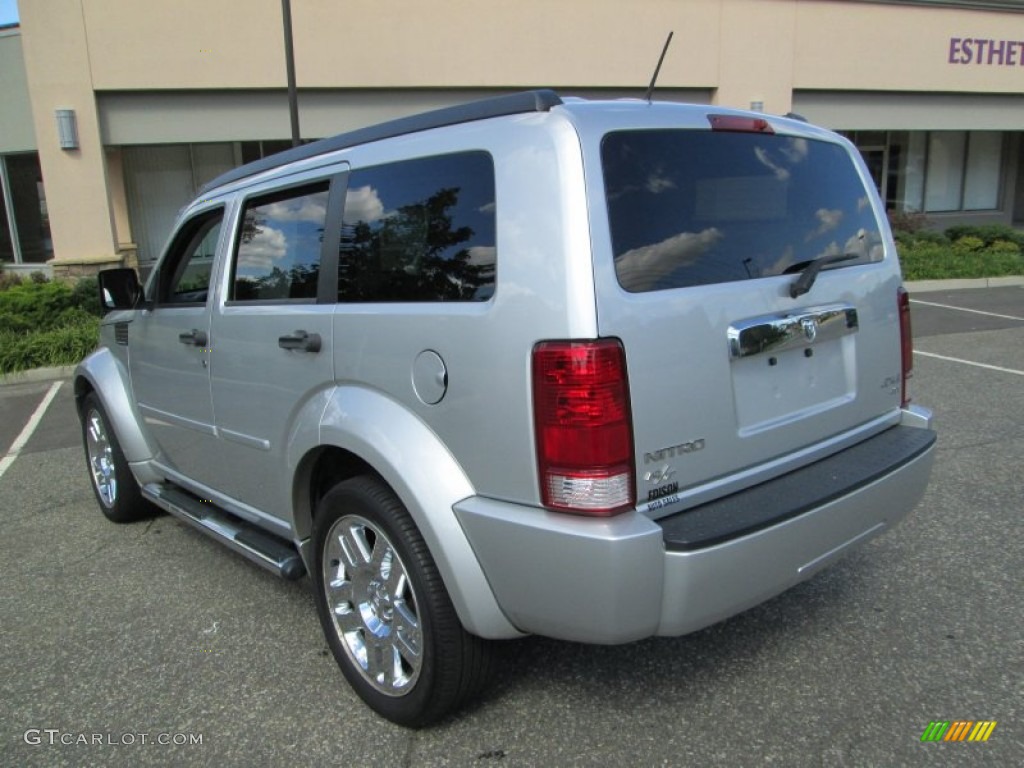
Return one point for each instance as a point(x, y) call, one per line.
point(37, 374)
point(922, 286)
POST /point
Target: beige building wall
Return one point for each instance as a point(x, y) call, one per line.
point(398, 43)
point(57, 65)
point(734, 45)
point(876, 47)
point(754, 47)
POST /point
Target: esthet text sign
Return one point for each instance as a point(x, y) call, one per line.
point(982, 51)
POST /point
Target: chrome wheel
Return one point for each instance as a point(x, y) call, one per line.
point(101, 458)
point(386, 614)
point(372, 604)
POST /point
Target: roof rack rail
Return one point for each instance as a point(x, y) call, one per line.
point(510, 104)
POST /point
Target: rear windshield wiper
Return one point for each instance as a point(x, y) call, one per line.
point(809, 274)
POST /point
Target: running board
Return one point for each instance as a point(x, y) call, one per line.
point(266, 550)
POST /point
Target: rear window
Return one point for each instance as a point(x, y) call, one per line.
point(693, 207)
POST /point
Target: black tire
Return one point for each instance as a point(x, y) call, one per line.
point(112, 481)
point(362, 534)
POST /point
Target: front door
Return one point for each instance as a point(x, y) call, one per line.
point(170, 350)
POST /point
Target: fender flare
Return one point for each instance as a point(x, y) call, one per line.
point(428, 480)
point(109, 379)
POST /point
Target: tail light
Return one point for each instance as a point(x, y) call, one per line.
point(583, 426)
point(906, 343)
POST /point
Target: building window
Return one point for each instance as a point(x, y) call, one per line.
point(909, 153)
point(935, 171)
point(963, 171)
point(982, 177)
point(161, 178)
point(6, 244)
point(255, 150)
point(24, 217)
point(944, 177)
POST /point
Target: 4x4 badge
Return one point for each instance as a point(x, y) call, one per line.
point(660, 476)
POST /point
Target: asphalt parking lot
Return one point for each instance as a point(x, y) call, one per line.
point(111, 633)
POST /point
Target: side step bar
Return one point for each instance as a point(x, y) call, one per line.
point(266, 550)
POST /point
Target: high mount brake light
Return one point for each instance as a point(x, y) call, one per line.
point(583, 427)
point(739, 123)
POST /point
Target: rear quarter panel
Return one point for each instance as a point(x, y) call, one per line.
point(544, 289)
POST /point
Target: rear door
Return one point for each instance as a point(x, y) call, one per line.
point(272, 335)
point(699, 235)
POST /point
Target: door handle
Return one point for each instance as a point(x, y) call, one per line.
point(195, 338)
point(300, 341)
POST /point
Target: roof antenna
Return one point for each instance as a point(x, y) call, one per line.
point(657, 69)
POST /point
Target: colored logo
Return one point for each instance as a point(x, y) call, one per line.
point(958, 730)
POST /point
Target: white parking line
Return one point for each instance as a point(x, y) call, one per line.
point(26, 433)
point(965, 309)
point(969, 362)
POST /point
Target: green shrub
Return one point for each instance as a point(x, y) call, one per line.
point(44, 323)
point(931, 237)
point(31, 306)
point(1004, 246)
point(968, 244)
point(931, 261)
point(987, 233)
point(39, 306)
point(921, 260)
point(87, 296)
point(62, 345)
point(906, 239)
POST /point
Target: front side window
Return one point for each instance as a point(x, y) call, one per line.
point(278, 254)
point(690, 207)
point(420, 231)
point(184, 276)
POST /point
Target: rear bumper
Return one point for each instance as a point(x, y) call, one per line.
point(628, 577)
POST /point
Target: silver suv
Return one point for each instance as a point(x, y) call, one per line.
point(591, 370)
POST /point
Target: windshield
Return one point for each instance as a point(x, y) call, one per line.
point(694, 207)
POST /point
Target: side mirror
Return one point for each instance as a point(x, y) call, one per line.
point(119, 288)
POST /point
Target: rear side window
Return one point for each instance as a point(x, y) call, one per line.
point(278, 254)
point(691, 207)
point(420, 231)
